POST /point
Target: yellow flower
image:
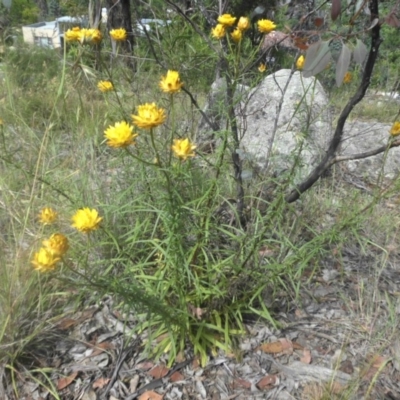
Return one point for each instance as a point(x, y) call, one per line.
point(171, 83)
point(262, 67)
point(72, 35)
point(395, 131)
point(347, 78)
point(86, 220)
point(1, 122)
point(300, 62)
point(44, 260)
point(218, 32)
point(183, 148)
point(105, 86)
point(47, 216)
point(120, 135)
point(119, 35)
point(96, 36)
point(57, 244)
point(226, 19)
point(149, 116)
point(243, 24)
point(91, 36)
point(82, 35)
point(236, 35)
point(265, 25)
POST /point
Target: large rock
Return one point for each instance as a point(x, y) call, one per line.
point(363, 136)
point(216, 111)
point(303, 123)
point(300, 135)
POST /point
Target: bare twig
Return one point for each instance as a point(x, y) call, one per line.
point(278, 112)
point(305, 17)
point(212, 125)
point(237, 162)
point(123, 355)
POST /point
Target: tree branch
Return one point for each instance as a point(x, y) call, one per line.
point(366, 154)
point(358, 96)
point(194, 26)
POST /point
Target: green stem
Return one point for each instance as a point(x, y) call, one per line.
point(209, 199)
point(140, 159)
point(164, 171)
point(171, 140)
point(40, 179)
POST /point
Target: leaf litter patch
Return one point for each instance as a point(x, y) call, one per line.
point(330, 341)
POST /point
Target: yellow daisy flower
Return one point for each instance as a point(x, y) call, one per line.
point(149, 116)
point(86, 220)
point(262, 67)
point(119, 35)
point(57, 244)
point(47, 216)
point(265, 25)
point(96, 36)
point(348, 77)
point(243, 24)
point(218, 32)
point(395, 130)
point(72, 35)
point(183, 149)
point(89, 36)
point(226, 19)
point(120, 135)
point(236, 35)
point(44, 260)
point(300, 62)
point(105, 86)
point(171, 83)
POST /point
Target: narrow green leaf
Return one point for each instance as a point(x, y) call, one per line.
point(342, 64)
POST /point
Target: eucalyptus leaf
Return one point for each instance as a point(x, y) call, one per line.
point(322, 64)
point(335, 47)
point(335, 9)
point(342, 64)
point(310, 54)
point(359, 5)
point(317, 58)
point(360, 52)
point(374, 22)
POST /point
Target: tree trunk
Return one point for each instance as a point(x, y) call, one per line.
point(119, 16)
point(94, 10)
point(43, 9)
